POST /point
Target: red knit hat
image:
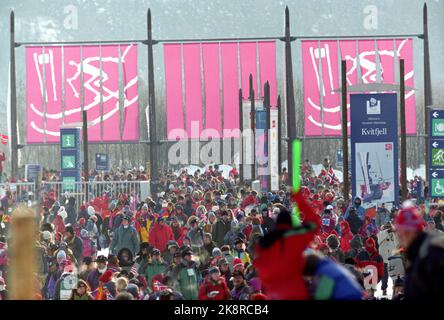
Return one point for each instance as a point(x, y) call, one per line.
point(409, 218)
point(258, 296)
point(106, 277)
point(370, 243)
point(237, 261)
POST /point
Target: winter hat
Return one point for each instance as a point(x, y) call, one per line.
point(238, 240)
point(91, 210)
point(211, 214)
point(84, 233)
point(216, 252)
point(258, 296)
point(133, 290)
point(61, 255)
point(62, 213)
point(370, 243)
point(234, 224)
point(333, 242)
point(237, 261)
point(82, 221)
point(409, 218)
point(46, 235)
point(214, 208)
point(221, 262)
point(213, 270)
point(106, 277)
point(164, 204)
point(145, 206)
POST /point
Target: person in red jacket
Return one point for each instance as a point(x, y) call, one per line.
point(371, 256)
point(286, 244)
point(214, 287)
point(346, 236)
point(160, 234)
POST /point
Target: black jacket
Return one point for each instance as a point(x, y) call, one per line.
point(425, 268)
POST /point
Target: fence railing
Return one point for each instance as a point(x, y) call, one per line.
point(83, 191)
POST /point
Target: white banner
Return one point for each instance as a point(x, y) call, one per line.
point(247, 141)
point(273, 151)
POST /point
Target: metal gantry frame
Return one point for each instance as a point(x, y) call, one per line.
point(150, 42)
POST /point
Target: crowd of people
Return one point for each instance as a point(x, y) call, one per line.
point(206, 237)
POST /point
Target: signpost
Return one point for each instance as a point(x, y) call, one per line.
point(102, 162)
point(70, 157)
point(374, 148)
point(436, 153)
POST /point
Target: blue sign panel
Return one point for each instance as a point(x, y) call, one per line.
point(262, 148)
point(102, 162)
point(374, 148)
point(32, 172)
point(436, 153)
point(70, 162)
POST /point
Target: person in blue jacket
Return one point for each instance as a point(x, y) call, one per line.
point(330, 280)
point(359, 208)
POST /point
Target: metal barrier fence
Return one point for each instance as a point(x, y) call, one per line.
point(81, 191)
point(20, 192)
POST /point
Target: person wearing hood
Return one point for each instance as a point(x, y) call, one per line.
point(335, 251)
point(208, 228)
point(355, 247)
point(371, 256)
point(360, 211)
point(239, 251)
point(209, 245)
point(81, 292)
point(160, 234)
point(346, 236)
point(214, 287)
point(71, 211)
point(59, 220)
point(382, 216)
point(241, 290)
point(180, 215)
point(168, 254)
point(125, 237)
point(233, 234)
point(155, 266)
point(368, 228)
point(177, 229)
point(143, 223)
point(330, 280)
point(143, 257)
point(354, 221)
point(221, 228)
point(107, 287)
point(124, 261)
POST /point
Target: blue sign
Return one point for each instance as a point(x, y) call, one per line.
point(374, 148)
point(262, 148)
point(436, 153)
point(70, 161)
point(32, 172)
point(339, 158)
point(102, 162)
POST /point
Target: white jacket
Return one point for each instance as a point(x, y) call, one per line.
point(388, 243)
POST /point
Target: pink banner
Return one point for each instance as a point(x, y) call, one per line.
point(210, 57)
point(91, 89)
point(267, 64)
point(34, 95)
point(71, 56)
point(312, 99)
point(173, 83)
point(325, 119)
point(130, 130)
point(248, 66)
point(53, 88)
point(404, 50)
point(46, 116)
point(193, 89)
point(221, 66)
point(230, 88)
point(110, 92)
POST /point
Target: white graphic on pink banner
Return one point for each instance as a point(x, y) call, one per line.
point(35, 93)
point(324, 118)
point(76, 62)
point(221, 66)
point(130, 131)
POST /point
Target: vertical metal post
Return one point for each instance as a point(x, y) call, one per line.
point(13, 106)
point(289, 89)
point(404, 190)
point(279, 125)
point(253, 130)
point(85, 145)
point(267, 132)
point(241, 142)
point(344, 131)
point(427, 86)
point(152, 106)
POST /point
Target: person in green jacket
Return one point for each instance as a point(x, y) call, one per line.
point(125, 236)
point(186, 276)
point(155, 265)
